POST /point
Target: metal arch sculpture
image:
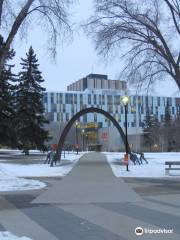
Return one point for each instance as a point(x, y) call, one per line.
point(76, 117)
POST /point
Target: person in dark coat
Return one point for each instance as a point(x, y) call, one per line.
point(142, 158)
point(48, 157)
point(53, 158)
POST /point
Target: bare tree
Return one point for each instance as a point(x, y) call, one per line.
point(146, 32)
point(52, 15)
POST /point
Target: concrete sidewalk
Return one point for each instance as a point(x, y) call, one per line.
point(93, 205)
point(90, 181)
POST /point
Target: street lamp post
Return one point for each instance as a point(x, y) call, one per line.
point(77, 144)
point(125, 101)
point(83, 139)
point(86, 142)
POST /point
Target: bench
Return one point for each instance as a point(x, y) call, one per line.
point(170, 164)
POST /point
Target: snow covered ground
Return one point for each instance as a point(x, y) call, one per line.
point(11, 174)
point(19, 152)
point(9, 236)
point(9, 182)
point(42, 170)
point(155, 168)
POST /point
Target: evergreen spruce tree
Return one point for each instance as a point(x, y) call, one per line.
point(176, 131)
point(30, 118)
point(151, 130)
point(7, 101)
point(167, 117)
point(167, 128)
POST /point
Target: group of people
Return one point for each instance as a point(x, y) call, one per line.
point(138, 160)
point(51, 157)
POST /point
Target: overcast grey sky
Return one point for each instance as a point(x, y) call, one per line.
point(75, 59)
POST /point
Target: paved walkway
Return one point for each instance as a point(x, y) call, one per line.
point(91, 204)
point(90, 181)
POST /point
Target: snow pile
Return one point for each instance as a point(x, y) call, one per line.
point(155, 168)
point(9, 236)
point(9, 182)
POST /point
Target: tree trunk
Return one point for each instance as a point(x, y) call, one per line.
point(177, 78)
point(15, 27)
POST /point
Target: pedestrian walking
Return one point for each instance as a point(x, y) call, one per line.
point(53, 158)
point(142, 158)
point(48, 157)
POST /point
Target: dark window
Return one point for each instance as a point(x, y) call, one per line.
point(67, 117)
point(84, 106)
point(141, 124)
point(64, 108)
point(100, 99)
point(52, 98)
point(61, 98)
point(75, 98)
point(109, 100)
point(81, 99)
point(54, 107)
point(66, 98)
point(62, 117)
point(71, 98)
point(85, 118)
point(51, 116)
point(134, 100)
point(45, 98)
point(169, 101)
point(95, 100)
point(122, 110)
point(116, 110)
point(95, 117)
point(110, 108)
point(58, 117)
point(117, 100)
point(72, 109)
point(103, 100)
point(89, 98)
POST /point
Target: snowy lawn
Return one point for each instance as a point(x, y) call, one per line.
point(42, 170)
point(9, 236)
point(11, 174)
point(19, 152)
point(8, 182)
point(155, 168)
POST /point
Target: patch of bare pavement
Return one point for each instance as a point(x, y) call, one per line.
point(91, 181)
point(90, 203)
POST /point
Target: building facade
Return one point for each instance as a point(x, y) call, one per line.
point(91, 91)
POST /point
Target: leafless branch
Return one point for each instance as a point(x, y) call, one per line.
point(149, 50)
point(53, 15)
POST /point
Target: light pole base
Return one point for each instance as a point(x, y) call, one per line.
point(126, 161)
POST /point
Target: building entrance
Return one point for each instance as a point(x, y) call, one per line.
point(77, 116)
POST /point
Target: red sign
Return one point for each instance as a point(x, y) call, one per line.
point(54, 146)
point(104, 136)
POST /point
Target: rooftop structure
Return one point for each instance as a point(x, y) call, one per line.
point(97, 81)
